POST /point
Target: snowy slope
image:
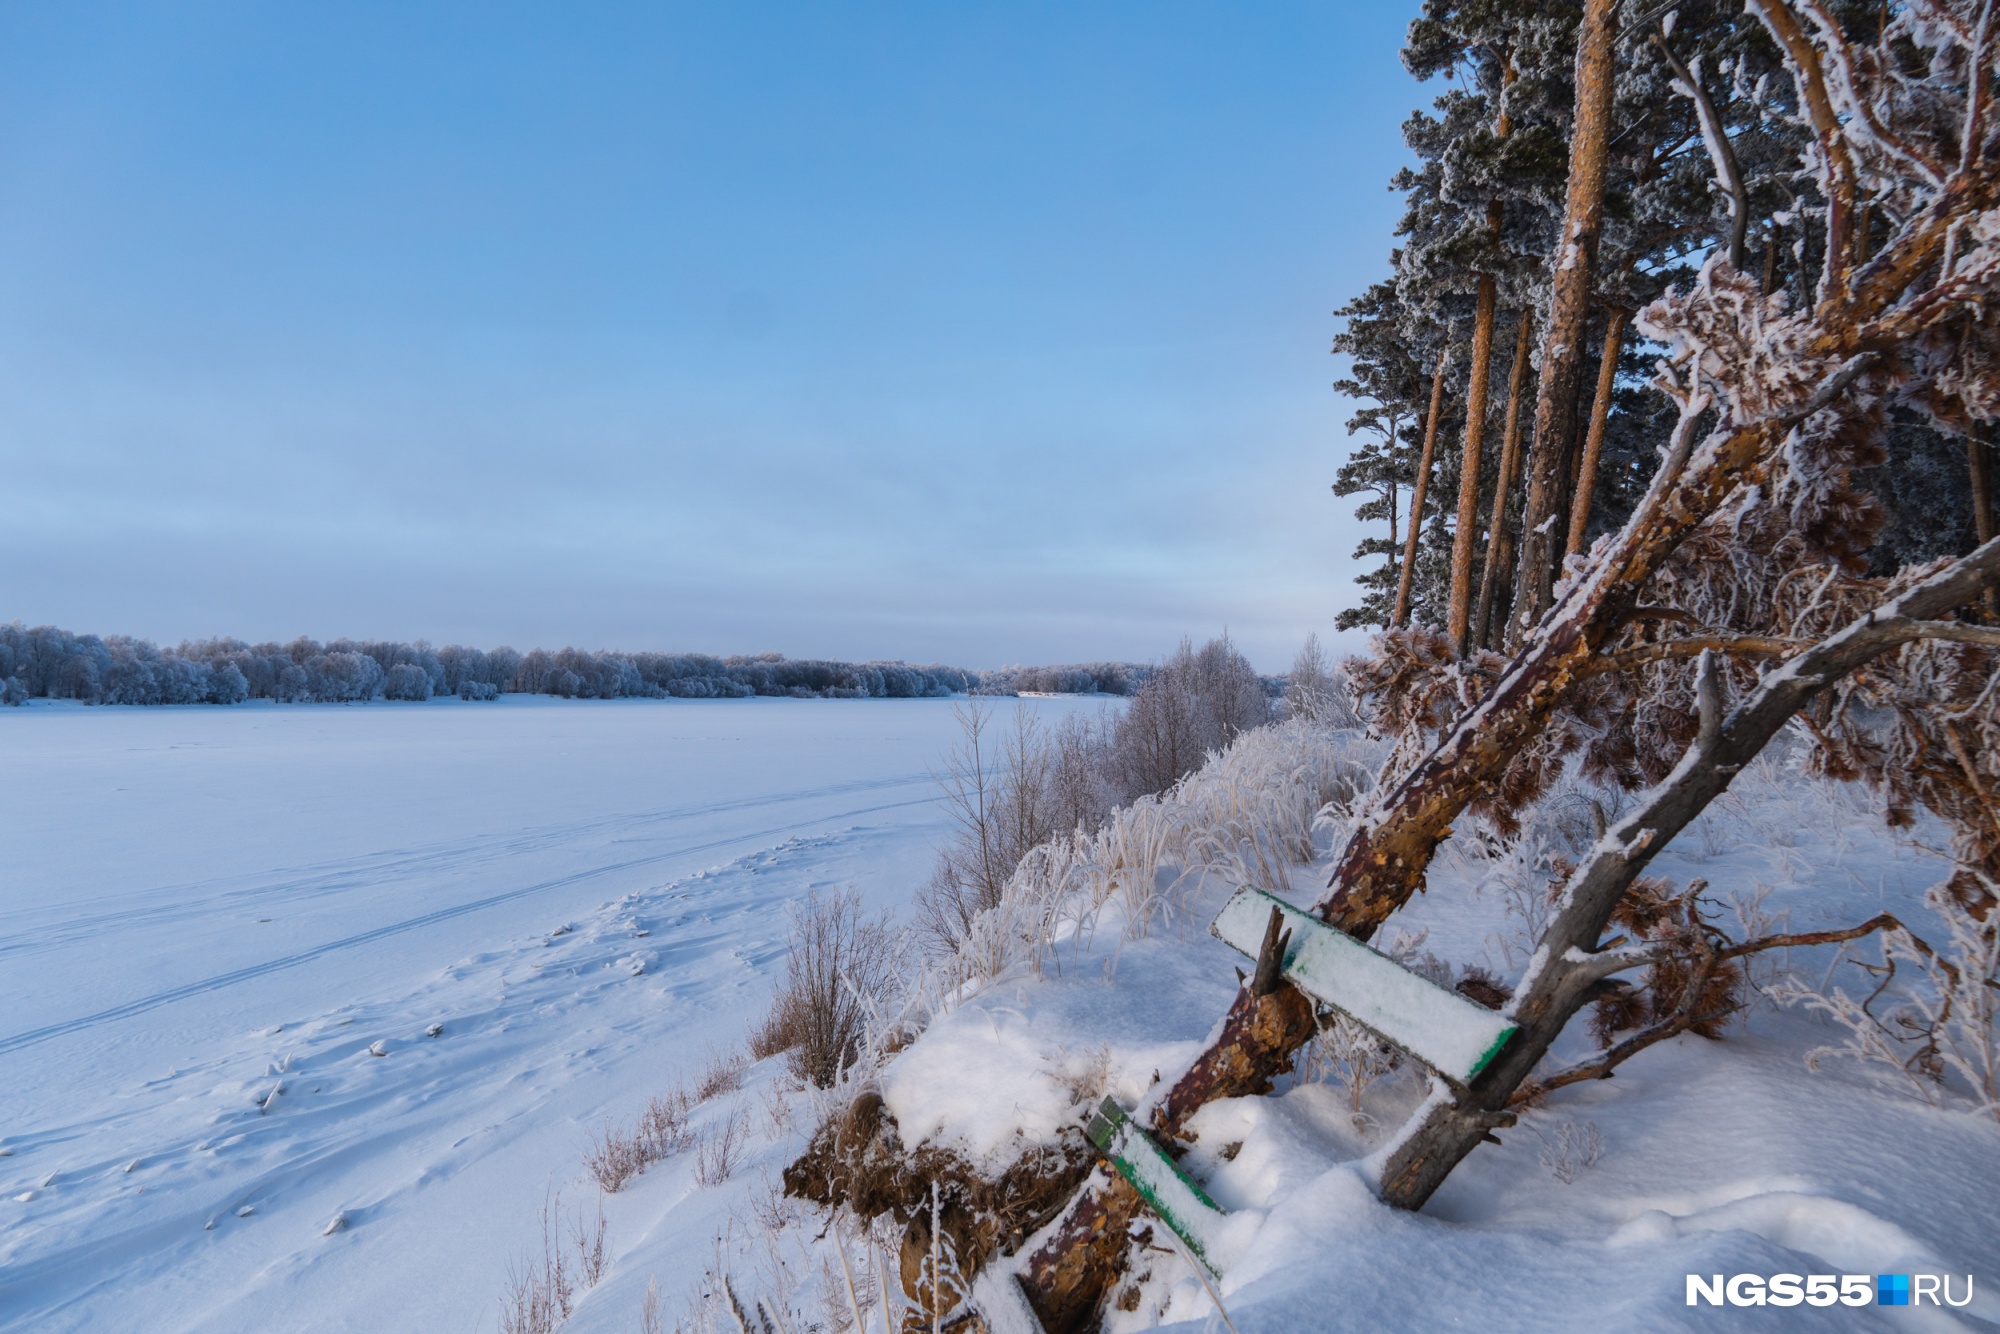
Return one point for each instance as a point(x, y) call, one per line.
point(1700, 1157)
point(201, 906)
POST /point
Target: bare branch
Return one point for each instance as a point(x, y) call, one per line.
point(1975, 92)
point(1716, 138)
point(1710, 695)
point(1841, 178)
point(1685, 1016)
point(1794, 939)
point(1692, 646)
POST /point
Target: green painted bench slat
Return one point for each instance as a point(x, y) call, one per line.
point(1181, 1205)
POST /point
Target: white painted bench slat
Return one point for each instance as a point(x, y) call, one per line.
point(1452, 1035)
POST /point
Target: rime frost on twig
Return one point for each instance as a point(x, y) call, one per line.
point(1931, 1015)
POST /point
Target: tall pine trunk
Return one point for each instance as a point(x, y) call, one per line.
point(1466, 537)
point(1976, 451)
point(1593, 444)
point(1569, 307)
point(1401, 617)
point(1500, 540)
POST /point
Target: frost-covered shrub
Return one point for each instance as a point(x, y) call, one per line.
point(1931, 1013)
point(1006, 790)
point(228, 685)
point(1247, 816)
point(343, 677)
point(1315, 689)
point(839, 967)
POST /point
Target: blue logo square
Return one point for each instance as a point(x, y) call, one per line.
point(1892, 1289)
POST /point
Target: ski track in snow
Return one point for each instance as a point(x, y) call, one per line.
point(221, 980)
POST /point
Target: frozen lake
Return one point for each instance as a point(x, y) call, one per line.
point(202, 905)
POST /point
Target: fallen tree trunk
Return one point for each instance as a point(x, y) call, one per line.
point(1569, 962)
point(1082, 1254)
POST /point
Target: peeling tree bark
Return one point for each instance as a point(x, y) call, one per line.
point(1082, 1254)
point(1569, 306)
point(1401, 617)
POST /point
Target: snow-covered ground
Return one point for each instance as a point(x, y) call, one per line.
point(210, 919)
point(1700, 1157)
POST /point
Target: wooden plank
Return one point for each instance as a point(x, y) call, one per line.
point(1181, 1205)
point(1452, 1035)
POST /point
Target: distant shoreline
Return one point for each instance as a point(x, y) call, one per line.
point(47, 662)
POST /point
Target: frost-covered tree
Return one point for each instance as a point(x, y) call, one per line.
point(1193, 704)
point(1702, 135)
point(47, 662)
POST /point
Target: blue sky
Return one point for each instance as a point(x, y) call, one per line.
point(961, 332)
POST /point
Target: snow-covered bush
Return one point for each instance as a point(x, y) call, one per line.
point(406, 681)
point(1317, 690)
point(1006, 789)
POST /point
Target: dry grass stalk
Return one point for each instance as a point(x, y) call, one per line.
point(616, 1156)
point(720, 1151)
point(722, 1074)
